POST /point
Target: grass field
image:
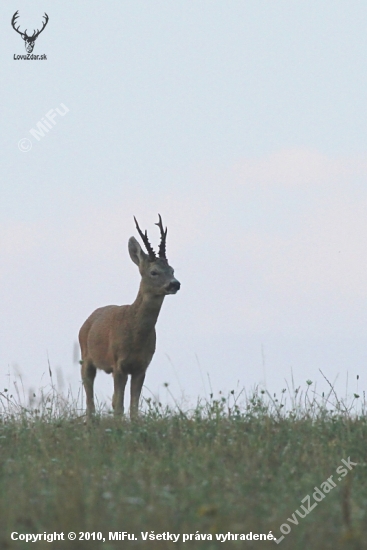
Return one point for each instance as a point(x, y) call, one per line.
point(221, 467)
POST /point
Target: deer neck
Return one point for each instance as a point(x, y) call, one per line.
point(145, 310)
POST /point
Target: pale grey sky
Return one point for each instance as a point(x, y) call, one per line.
point(244, 123)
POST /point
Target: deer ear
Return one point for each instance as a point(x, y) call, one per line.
point(136, 253)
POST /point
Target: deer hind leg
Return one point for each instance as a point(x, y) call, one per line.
point(88, 376)
point(119, 382)
point(137, 381)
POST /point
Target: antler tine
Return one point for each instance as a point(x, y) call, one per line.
point(14, 20)
point(44, 23)
point(145, 240)
point(162, 246)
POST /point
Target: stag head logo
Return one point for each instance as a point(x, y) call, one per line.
point(28, 40)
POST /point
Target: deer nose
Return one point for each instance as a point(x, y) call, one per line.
point(174, 285)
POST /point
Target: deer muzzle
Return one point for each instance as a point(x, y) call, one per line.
point(173, 287)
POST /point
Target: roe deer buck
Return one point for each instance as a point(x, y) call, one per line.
point(121, 339)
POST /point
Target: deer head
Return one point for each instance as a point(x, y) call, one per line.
point(157, 274)
point(28, 40)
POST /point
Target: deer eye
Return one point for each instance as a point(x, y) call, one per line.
point(154, 273)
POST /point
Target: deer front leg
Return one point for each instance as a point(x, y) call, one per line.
point(88, 376)
point(119, 381)
point(137, 381)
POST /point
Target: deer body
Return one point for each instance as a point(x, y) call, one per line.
point(121, 339)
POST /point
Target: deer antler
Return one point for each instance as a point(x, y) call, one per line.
point(24, 34)
point(13, 21)
point(145, 240)
point(44, 23)
point(162, 246)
